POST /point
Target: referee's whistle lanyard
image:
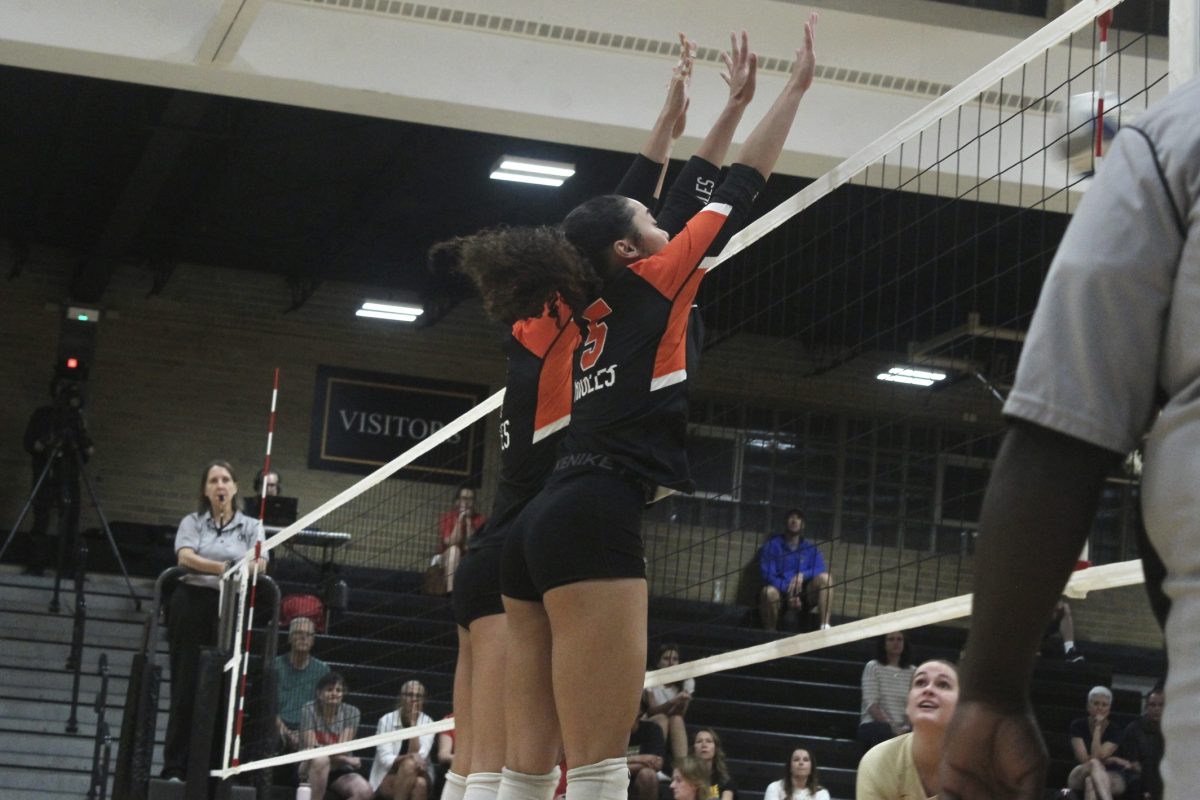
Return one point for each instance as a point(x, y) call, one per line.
point(221, 528)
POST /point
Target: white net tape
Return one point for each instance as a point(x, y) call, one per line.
point(1108, 576)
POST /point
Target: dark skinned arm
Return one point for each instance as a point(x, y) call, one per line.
point(1037, 514)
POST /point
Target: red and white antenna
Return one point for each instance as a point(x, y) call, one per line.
point(262, 508)
point(1103, 22)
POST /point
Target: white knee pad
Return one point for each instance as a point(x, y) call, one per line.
point(521, 786)
point(604, 780)
point(455, 786)
point(481, 786)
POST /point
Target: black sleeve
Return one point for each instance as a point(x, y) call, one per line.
point(1079, 729)
point(741, 185)
point(689, 193)
point(640, 181)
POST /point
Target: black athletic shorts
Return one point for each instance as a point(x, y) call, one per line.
point(477, 583)
point(583, 525)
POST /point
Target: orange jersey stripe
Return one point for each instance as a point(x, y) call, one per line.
point(669, 270)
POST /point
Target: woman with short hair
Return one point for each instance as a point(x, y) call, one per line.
point(1094, 740)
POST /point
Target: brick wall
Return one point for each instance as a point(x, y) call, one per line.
point(185, 376)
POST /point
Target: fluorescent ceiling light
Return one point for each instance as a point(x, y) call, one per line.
point(911, 375)
point(393, 308)
point(362, 312)
point(884, 376)
point(532, 170)
point(517, 178)
point(555, 168)
point(397, 312)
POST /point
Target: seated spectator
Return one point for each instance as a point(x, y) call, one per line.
point(667, 705)
point(885, 683)
point(296, 675)
point(328, 720)
point(455, 528)
point(401, 769)
point(801, 780)
point(690, 780)
point(906, 766)
point(706, 747)
point(268, 485)
point(1094, 740)
point(794, 574)
point(645, 757)
point(1062, 625)
point(1141, 750)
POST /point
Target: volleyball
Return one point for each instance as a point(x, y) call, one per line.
point(1078, 129)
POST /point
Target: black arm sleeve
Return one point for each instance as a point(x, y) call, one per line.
point(640, 180)
point(741, 185)
point(689, 193)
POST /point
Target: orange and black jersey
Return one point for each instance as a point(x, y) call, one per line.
point(630, 371)
point(536, 411)
point(537, 395)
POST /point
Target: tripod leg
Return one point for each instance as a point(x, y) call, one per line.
point(66, 532)
point(29, 501)
point(112, 543)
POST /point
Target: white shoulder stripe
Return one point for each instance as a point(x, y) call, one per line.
point(670, 379)
point(546, 430)
point(708, 262)
point(724, 209)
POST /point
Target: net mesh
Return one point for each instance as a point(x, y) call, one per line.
point(926, 251)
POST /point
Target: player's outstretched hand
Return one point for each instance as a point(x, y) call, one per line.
point(806, 59)
point(676, 105)
point(741, 67)
point(992, 755)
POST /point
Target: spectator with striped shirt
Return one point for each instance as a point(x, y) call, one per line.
point(885, 682)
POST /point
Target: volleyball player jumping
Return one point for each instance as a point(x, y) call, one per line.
point(538, 394)
point(573, 575)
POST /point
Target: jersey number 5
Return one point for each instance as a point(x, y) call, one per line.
point(593, 346)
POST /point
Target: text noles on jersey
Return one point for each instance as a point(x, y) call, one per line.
point(603, 379)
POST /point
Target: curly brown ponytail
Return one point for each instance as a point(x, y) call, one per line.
point(519, 271)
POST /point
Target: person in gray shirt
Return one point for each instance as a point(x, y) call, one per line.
point(1113, 355)
point(208, 543)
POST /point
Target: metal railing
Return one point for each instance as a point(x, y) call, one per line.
point(78, 628)
point(102, 748)
point(138, 728)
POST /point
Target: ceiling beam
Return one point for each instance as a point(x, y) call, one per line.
point(228, 30)
point(167, 144)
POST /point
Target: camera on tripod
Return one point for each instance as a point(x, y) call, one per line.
point(67, 427)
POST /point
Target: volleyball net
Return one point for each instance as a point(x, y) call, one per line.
point(860, 338)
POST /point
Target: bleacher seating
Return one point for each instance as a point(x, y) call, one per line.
point(390, 635)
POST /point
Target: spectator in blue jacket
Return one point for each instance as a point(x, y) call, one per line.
point(794, 573)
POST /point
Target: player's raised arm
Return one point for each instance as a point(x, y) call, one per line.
point(741, 70)
point(765, 143)
point(673, 116)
